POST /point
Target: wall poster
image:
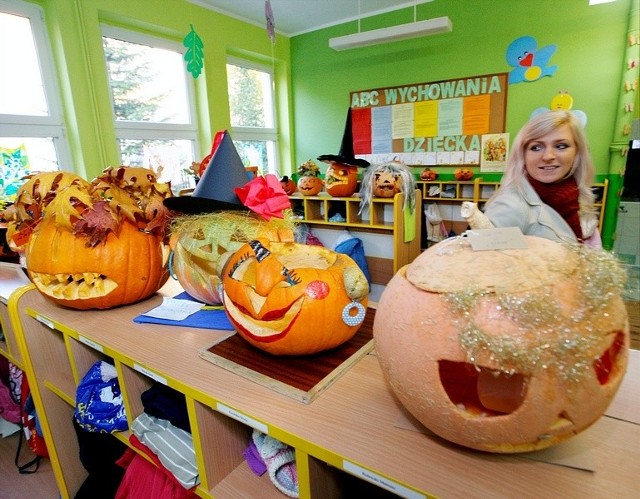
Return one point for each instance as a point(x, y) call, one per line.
point(435, 123)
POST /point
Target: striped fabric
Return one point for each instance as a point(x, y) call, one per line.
point(173, 446)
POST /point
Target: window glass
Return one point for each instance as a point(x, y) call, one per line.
point(32, 135)
point(153, 104)
point(252, 113)
point(21, 87)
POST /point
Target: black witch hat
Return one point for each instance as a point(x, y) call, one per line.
point(215, 189)
point(345, 156)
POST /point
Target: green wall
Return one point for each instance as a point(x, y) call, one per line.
point(590, 40)
point(74, 29)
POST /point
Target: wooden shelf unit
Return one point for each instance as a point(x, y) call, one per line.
point(353, 433)
point(383, 215)
point(479, 191)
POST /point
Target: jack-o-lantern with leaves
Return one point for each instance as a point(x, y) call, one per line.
point(94, 245)
point(294, 299)
point(505, 350)
point(309, 181)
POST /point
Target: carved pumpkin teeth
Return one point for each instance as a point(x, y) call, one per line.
point(73, 286)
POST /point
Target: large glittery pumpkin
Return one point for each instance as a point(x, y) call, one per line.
point(128, 266)
point(294, 299)
point(505, 350)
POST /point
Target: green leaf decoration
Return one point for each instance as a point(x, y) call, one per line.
point(195, 52)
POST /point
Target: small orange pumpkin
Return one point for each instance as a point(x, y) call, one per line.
point(428, 174)
point(512, 352)
point(288, 185)
point(126, 267)
point(463, 174)
point(294, 299)
point(310, 185)
point(341, 180)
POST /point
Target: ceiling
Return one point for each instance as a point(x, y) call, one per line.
point(294, 17)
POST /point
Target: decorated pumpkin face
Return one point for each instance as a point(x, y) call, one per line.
point(128, 266)
point(428, 174)
point(386, 184)
point(294, 299)
point(341, 180)
point(507, 350)
point(201, 245)
point(310, 186)
point(288, 185)
point(463, 174)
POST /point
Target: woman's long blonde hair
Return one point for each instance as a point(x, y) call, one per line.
point(536, 128)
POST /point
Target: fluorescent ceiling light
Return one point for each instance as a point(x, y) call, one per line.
point(392, 33)
point(597, 2)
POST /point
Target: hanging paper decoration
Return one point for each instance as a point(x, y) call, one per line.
point(14, 166)
point(195, 52)
point(529, 62)
point(271, 25)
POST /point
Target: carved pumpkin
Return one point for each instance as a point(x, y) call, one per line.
point(288, 185)
point(463, 174)
point(427, 174)
point(294, 299)
point(505, 351)
point(128, 266)
point(341, 180)
point(310, 186)
point(98, 244)
point(386, 184)
point(201, 245)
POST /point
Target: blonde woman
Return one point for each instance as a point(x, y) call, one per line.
point(546, 187)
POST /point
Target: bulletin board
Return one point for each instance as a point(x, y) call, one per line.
point(440, 122)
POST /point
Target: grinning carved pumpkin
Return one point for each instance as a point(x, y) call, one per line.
point(128, 266)
point(96, 244)
point(310, 185)
point(201, 245)
point(505, 351)
point(294, 299)
point(463, 174)
point(341, 180)
point(428, 174)
point(386, 184)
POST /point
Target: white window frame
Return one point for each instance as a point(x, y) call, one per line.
point(247, 133)
point(51, 126)
point(139, 130)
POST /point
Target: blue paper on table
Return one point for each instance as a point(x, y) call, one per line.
point(206, 319)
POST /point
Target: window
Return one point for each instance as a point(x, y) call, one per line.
point(252, 109)
point(153, 104)
point(32, 134)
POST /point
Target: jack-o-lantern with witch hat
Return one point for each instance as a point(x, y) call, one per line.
point(341, 177)
point(225, 211)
